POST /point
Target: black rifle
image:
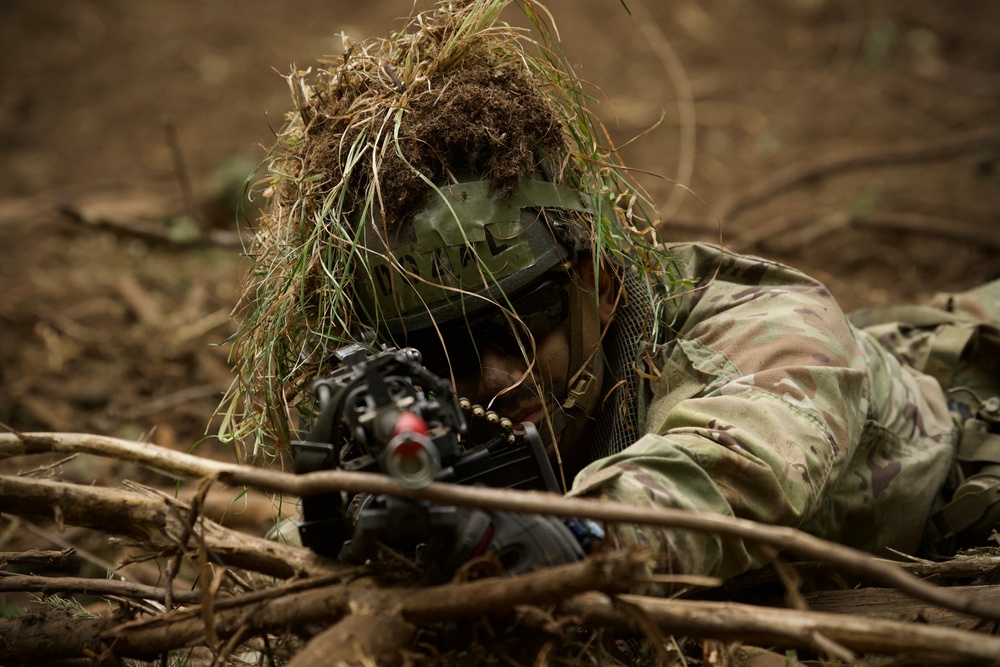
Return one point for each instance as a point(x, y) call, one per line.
point(383, 411)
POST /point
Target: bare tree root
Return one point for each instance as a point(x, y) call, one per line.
point(925, 151)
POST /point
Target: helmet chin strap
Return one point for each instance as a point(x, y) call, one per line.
point(569, 419)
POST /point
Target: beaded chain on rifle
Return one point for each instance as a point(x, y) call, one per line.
point(479, 412)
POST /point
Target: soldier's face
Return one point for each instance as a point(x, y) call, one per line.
point(526, 387)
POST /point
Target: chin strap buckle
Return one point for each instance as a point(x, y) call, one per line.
point(583, 395)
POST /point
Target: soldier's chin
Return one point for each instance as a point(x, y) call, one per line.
point(535, 415)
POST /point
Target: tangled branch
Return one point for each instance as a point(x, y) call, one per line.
point(591, 592)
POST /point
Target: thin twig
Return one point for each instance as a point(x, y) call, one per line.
point(828, 164)
point(153, 233)
point(10, 583)
point(180, 169)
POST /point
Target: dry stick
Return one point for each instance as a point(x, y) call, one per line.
point(10, 583)
point(788, 539)
point(152, 232)
point(173, 566)
point(132, 515)
point(787, 627)
point(37, 557)
point(959, 567)
point(789, 233)
point(924, 151)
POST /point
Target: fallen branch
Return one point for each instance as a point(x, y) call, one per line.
point(828, 164)
point(768, 626)
point(962, 566)
point(36, 557)
point(890, 604)
point(53, 634)
point(10, 583)
point(154, 521)
point(143, 453)
point(152, 232)
point(788, 234)
point(788, 539)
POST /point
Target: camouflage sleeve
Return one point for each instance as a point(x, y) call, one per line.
point(758, 412)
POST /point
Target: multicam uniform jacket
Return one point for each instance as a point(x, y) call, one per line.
point(770, 405)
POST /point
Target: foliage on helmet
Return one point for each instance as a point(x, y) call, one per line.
point(373, 132)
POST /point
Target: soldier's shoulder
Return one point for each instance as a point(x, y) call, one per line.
point(747, 286)
point(707, 263)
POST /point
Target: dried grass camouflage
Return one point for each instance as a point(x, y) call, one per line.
point(372, 132)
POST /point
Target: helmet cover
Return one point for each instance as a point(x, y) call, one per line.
point(465, 249)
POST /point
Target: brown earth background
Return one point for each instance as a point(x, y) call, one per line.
point(112, 109)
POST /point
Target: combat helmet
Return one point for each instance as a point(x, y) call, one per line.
point(469, 249)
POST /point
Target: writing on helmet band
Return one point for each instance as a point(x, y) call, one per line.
point(461, 253)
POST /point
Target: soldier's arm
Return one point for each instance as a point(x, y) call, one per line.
point(758, 412)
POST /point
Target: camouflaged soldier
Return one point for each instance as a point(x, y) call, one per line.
point(482, 228)
point(761, 401)
point(769, 404)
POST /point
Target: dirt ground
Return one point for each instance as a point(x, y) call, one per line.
point(114, 110)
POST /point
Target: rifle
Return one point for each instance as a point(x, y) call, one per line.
point(383, 411)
